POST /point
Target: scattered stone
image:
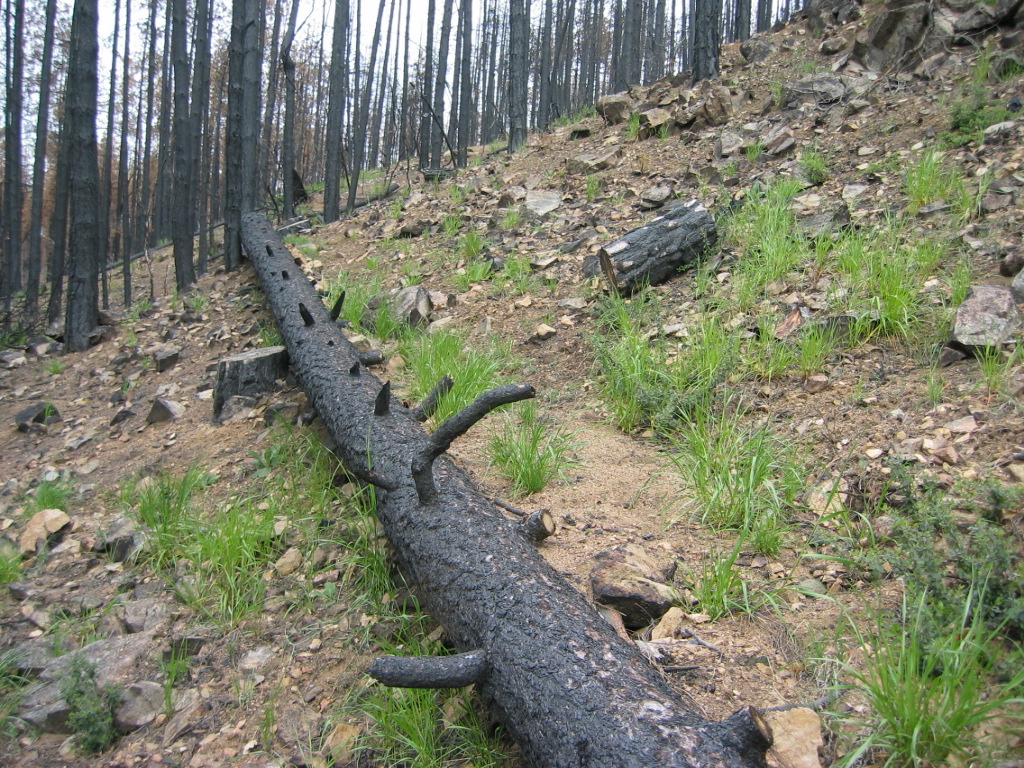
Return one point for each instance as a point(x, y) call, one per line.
point(289, 562)
point(165, 410)
point(634, 584)
point(779, 140)
point(12, 358)
point(284, 412)
point(122, 540)
point(543, 332)
point(930, 209)
point(101, 333)
point(823, 15)
point(821, 88)
point(252, 373)
point(832, 45)
point(796, 738)
point(592, 162)
point(40, 413)
point(581, 130)
point(43, 529)
point(988, 317)
point(950, 355)
point(575, 302)
point(717, 107)
point(966, 425)
point(511, 196)
point(670, 625)
point(757, 49)
point(414, 228)
point(615, 108)
point(146, 614)
point(140, 704)
point(819, 382)
point(543, 201)
point(237, 408)
point(166, 357)
point(827, 497)
point(413, 306)
point(653, 120)
point(655, 197)
point(728, 144)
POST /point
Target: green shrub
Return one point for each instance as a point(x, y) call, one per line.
point(91, 707)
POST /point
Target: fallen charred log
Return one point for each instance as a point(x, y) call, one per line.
point(567, 688)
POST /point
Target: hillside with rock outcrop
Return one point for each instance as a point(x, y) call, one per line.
point(888, 391)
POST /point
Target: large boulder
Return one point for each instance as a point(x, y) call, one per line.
point(900, 36)
point(988, 318)
point(633, 583)
point(615, 108)
point(823, 15)
point(757, 49)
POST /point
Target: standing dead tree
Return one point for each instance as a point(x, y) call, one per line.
point(569, 690)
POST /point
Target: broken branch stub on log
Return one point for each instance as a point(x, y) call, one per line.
point(653, 253)
point(455, 671)
point(567, 688)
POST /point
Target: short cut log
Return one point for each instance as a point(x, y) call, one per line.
point(567, 688)
point(653, 253)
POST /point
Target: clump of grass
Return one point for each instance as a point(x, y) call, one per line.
point(91, 707)
point(358, 293)
point(10, 563)
point(12, 684)
point(270, 335)
point(815, 166)
point(472, 245)
point(55, 366)
point(929, 181)
point(475, 272)
point(755, 150)
point(930, 696)
point(633, 127)
point(451, 224)
point(474, 368)
point(815, 346)
point(197, 302)
point(50, 494)
point(971, 113)
point(732, 473)
point(513, 218)
point(995, 366)
point(529, 452)
point(595, 187)
point(720, 590)
point(647, 381)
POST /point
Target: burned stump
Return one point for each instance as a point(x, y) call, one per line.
point(567, 688)
point(654, 252)
point(251, 373)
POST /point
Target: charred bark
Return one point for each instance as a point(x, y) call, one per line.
point(567, 688)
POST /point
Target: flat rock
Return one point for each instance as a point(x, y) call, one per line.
point(592, 162)
point(166, 357)
point(289, 562)
point(12, 358)
point(146, 614)
point(728, 144)
point(757, 49)
point(40, 413)
point(140, 704)
point(122, 539)
point(633, 583)
point(615, 108)
point(655, 197)
point(43, 529)
point(543, 201)
point(821, 88)
point(164, 410)
point(797, 738)
point(251, 373)
point(988, 317)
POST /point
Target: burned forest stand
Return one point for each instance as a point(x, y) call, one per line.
point(568, 689)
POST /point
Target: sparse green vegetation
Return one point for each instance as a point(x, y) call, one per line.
point(815, 166)
point(476, 271)
point(10, 563)
point(197, 302)
point(91, 707)
point(12, 683)
point(633, 127)
point(472, 245)
point(451, 224)
point(595, 187)
point(513, 218)
point(528, 450)
point(55, 366)
point(50, 494)
point(754, 151)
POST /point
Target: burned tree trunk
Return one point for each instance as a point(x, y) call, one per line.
point(653, 253)
point(567, 688)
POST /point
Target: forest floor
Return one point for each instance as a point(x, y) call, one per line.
point(877, 432)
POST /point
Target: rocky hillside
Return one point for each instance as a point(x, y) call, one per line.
point(215, 589)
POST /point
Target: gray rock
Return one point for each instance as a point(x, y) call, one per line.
point(166, 357)
point(146, 614)
point(251, 373)
point(652, 121)
point(285, 412)
point(140, 704)
point(40, 413)
point(655, 197)
point(825, 14)
point(413, 305)
point(543, 201)
point(717, 107)
point(900, 36)
point(821, 88)
point(988, 317)
point(237, 408)
point(779, 140)
point(757, 49)
point(122, 540)
point(414, 228)
point(592, 162)
point(12, 358)
point(512, 196)
point(728, 144)
point(164, 410)
point(634, 584)
point(832, 45)
point(615, 108)
point(42, 530)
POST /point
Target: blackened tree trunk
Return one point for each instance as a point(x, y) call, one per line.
point(268, 145)
point(251, 70)
point(336, 113)
point(440, 81)
point(569, 690)
point(288, 136)
point(184, 270)
point(764, 15)
point(145, 202)
point(35, 234)
point(122, 164)
point(84, 219)
point(59, 224)
point(518, 44)
point(363, 115)
point(198, 136)
point(706, 39)
point(233, 138)
point(107, 180)
point(742, 26)
point(426, 122)
point(13, 192)
point(466, 81)
point(543, 80)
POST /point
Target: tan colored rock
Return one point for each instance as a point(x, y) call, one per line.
point(41, 529)
point(797, 738)
point(670, 625)
point(289, 562)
